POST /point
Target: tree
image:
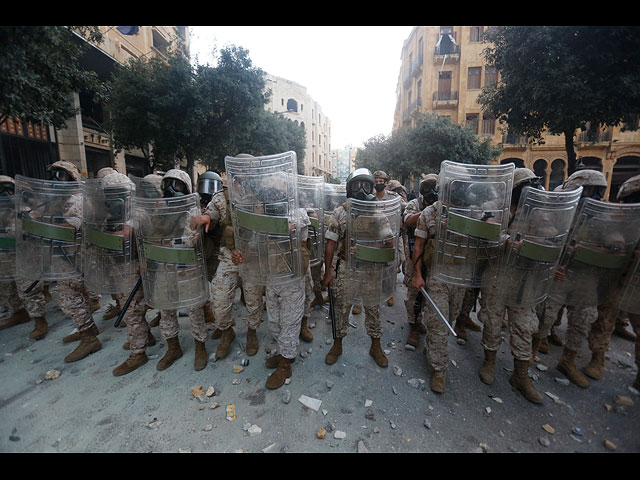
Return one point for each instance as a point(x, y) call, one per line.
point(39, 70)
point(559, 78)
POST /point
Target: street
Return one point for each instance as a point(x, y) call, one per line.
point(359, 406)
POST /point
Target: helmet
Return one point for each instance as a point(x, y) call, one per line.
point(151, 186)
point(115, 179)
point(58, 169)
point(396, 186)
point(209, 183)
point(593, 182)
point(7, 186)
point(629, 191)
point(360, 184)
point(176, 183)
point(103, 172)
point(380, 174)
point(524, 175)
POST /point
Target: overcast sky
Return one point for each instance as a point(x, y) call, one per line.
point(352, 72)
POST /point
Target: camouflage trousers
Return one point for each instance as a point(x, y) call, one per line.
point(343, 308)
point(134, 317)
point(309, 289)
point(73, 298)
point(223, 291)
point(448, 298)
point(169, 325)
point(634, 320)
point(12, 297)
point(522, 321)
point(579, 321)
point(285, 306)
point(316, 276)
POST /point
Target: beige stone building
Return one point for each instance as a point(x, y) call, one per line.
point(292, 101)
point(442, 73)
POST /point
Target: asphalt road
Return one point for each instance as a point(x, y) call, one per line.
point(360, 406)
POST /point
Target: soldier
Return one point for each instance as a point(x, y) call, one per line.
point(522, 319)
point(227, 280)
point(594, 185)
point(21, 305)
point(360, 185)
point(72, 294)
point(177, 183)
point(383, 192)
point(208, 184)
point(447, 297)
point(428, 195)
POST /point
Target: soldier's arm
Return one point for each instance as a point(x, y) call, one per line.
point(329, 250)
point(422, 235)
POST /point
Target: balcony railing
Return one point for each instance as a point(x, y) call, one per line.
point(594, 137)
point(445, 96)
point(447, 50)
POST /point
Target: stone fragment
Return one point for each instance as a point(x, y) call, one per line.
point(623, 400)
point(362, 448)
point(197, 391)
point(269, 448)
point(548, 428)
point(286, 398)
point(397, 371)
point(610, 445)
point(238, 368)
point(321, 433)
point(312, 403)
point(544, 441)
point(368, 403)
point(210, 392)
point(51, 375)
point(254, 430)
point(339, 434)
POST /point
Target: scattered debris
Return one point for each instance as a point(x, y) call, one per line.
point(321, 433)
point(231, 411)
point(623, 400)
point(51, 375)
point(339, 434)
point(548, 428)
point(312, 403)
point(610, 445)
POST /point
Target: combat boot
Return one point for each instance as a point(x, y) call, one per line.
point(554, 339)
point(566, 365)
point(200, 360)
point(151, 341)
point(305, 333)
point(18, 317)
point(174, 352)
point(460, 330)
point(357, 309)
point(438, 381)
point(414, 335)
point(622, 332)
point(112, 312)
point(376, 352)
point(334, 353)
point(318, 300)
point(40, 329)
point(520, 381)
point(277, 378)
point(75, 336)
point(209, 318)
point(488, 369)
point(89, 344)
point(155, 321)
point(391, 302)
point(224, 346)
point(134, 361)
point(217, 333)
point(544, 346)
point(273, 361)
point(252, 342)
point(595, 368)
point(471, 325)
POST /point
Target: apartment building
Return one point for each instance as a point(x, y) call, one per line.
point(28, 149)
point(292, 100)
point(442, 73)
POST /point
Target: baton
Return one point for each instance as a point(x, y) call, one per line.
point(32, 286)
point(332, 312)
point(126, 305)
point(435, 307)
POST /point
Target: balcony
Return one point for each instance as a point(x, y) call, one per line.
point(594, 137)
point(448, 53)
point(446, 99)
point(514, 140)
point(413, 106)
point(414, 70)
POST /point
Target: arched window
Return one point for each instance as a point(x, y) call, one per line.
point(292, 105)
point(558, 168)
point(540, 169)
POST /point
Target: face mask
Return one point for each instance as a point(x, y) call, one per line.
point(173, 188)
point(6, 190)
point(60, 175)
point(379, 187)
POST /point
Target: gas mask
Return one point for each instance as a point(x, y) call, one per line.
point(361, 190)
point(592, 191)
point(60, 175)
point(172, 187)
point(7, 189)
point(428, 193)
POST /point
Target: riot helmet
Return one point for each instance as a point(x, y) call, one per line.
point(103, 172)
point(62, 171)
point(176, 183)
point(208, 184)
point(7, 186)
point(360, 184)
point(523, 177)
point(630, 190)
point(593, 183)
point(396, 187)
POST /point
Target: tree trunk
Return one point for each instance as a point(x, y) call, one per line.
point(571, 153)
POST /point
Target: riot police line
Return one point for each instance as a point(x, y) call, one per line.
point(490, 230)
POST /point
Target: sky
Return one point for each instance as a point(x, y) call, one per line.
point(352, 72)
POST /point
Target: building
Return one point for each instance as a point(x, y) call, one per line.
point(292, 101)
point(442, 73)
point(344, 159)
point(28, 149)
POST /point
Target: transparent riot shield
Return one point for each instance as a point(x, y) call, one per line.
point(145, 187)
point(108, 239)
point(263, 192)
point(630, 299)
point(172, 264)
point(373, 229)
point(311, 198)
point(599, 247)
point(7, 238)
point(48, 229)
point(471, 223)
point(537, 235)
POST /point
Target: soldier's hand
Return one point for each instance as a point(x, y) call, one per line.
point(201, 220)
point(327, 280)
point(236, 257)
point(418, 282)
point(559, 275)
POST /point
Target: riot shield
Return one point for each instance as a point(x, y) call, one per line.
point(48, 229)
point(108, 240)
point(536, 237)
point(263, 192)
point(373, 230)
point(471, 222)
point(630, 299)
point(146, 187)
point(599, 247)
point(172, 264)
point(7, 238)
point(311, 198)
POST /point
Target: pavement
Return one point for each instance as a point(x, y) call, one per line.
point(49, 406)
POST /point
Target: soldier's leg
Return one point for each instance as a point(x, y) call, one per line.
point(74, 303)
point(223, 290)
point(634, 319)
point(436, 342)
point(494, 312)
point(138, 333)
point(169, 329)
point(316, 276)
point(341, 309)
point(413, 317)
point(523, 322)
point(598, 339)
point(199, 333)
point(547, 315)
point(579, 320)
point(305, 333)
point(36, 305)
point(212, 267)
point(374, 330)
point(11, 301)
point(254, 302)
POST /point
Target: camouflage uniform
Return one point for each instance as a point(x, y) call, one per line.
point(413, 207)
point(447, 297)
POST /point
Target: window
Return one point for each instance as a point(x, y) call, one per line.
point(473, 79)
point(488, 125)
point(475, 34)
point(490, 75)
point(472, 122)
point(292, 105)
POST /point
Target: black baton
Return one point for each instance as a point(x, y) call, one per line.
point(32, 286)
point(126, 305)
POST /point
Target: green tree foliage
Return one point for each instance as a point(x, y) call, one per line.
point(560, 77)
point(39, 69)
point(421, 149)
